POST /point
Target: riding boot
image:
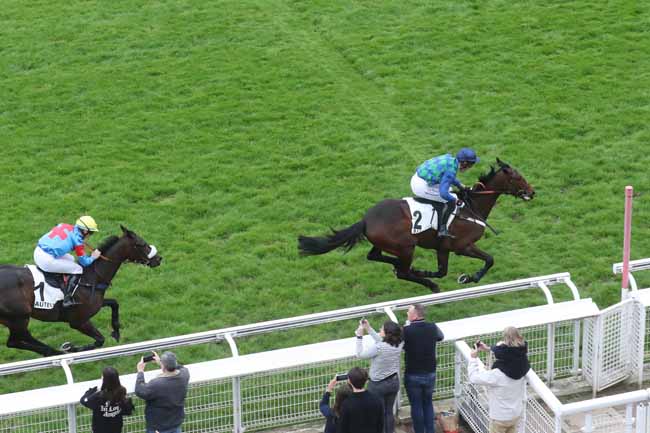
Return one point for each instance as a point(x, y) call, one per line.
point(68, 291)
point(442, 222)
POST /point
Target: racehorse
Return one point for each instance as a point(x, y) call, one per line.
point(387, 226)
point(17, 295)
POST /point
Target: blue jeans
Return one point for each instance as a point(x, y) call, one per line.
point(174, 430)
point(419, 388)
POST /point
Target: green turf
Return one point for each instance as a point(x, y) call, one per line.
point(220, 131)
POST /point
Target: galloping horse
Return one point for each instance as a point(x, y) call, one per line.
point(17, 295)
point(387, 225)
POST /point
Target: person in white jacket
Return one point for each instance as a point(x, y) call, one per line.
point(505, 394)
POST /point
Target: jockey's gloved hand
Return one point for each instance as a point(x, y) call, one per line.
point(95, 254)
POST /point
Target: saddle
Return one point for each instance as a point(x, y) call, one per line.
point(54, 279)
point(437, 205)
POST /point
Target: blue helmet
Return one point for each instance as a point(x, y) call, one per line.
point(468, 155)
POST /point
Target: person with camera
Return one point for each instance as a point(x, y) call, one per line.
point(505, 382)
point(361, 412)
point(385, 355)
point(420, 338)
point(332, 414)
point(164, 395)
point(109, 404)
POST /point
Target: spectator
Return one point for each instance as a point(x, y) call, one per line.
point(362, 411)
point(165, 395)
point(109, 404)
point(332, 414)
point(420, 340)
point(385, 355)
point(506, 384)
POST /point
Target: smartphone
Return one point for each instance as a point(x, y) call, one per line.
point(148, 358)
point(341, 377)
point(477, 344)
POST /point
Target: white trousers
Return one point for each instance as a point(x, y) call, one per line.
point(63, 265)
point(421, 188)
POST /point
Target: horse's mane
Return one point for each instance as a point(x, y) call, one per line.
point(108, 243)
point(489, 175)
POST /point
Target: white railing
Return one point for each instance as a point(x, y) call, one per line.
point(274, 388)
point(635, 266)
point(229, 334)
point(544, 413)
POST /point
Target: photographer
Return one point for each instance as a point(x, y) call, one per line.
point(165, 395)
point(505, 382)
point(385, 355)
point(332, 414)
point(109, 404)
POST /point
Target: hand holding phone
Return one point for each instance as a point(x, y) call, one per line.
point(342, 377)
point(149, 358)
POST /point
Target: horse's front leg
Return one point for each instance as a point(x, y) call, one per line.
point(88, 329)
point(443, 262)
point(472, 251)
point(115, 317)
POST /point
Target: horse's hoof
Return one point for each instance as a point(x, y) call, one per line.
point(464, 279)
point(433, 287)
point(116, 335)
point(66, 347)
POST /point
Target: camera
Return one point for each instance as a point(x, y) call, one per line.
point(477, 344)
point(341, 377)
point(148, 358)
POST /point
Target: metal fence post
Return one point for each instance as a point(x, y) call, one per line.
point(550, 353)
point(576, 348)
point(71, 408)
point(237, 426)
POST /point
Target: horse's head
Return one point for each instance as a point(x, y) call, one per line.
point(137, 250)
point(507, 180)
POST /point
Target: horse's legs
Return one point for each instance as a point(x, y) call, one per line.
point(376, 255)
point(115, 317)
point(88, 329)
point(443, 260)
point(21, 338)
point(403, 270)
point(472, 251)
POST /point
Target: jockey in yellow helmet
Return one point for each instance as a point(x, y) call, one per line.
point(52, 252)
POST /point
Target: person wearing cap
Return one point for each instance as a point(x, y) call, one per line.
point(52, 253)
point(434, 177)
point(164, 395)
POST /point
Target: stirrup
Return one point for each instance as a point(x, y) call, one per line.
point(444, 233)
point(68, 301)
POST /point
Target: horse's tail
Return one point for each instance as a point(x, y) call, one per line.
point(346, 238)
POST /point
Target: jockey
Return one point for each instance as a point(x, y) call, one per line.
point(433, 178)
point(51, 253)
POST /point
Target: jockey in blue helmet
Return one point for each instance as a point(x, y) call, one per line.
point(434, 177)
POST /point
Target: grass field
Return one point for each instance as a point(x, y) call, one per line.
point(220, 131)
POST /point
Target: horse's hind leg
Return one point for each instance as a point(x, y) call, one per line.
point(376, 256)
point(21, 338)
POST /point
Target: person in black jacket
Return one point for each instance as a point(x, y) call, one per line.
point(361, 412)
point(332, 414)
point(420, 340)
point(109, 404)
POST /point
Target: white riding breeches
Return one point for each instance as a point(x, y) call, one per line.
point(63, 265)
point(421, 188)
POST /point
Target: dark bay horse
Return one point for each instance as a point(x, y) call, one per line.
point(387, 226)
point(17, 295)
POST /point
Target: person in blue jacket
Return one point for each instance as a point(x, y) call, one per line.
point(434, 177)
point(332, 414)
point(52, 252)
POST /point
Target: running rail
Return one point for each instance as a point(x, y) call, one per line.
point(228, 334)
point(635, 265)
